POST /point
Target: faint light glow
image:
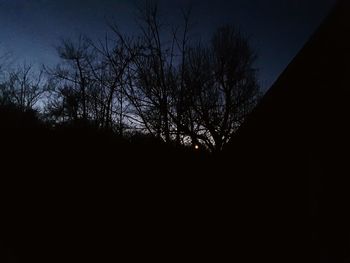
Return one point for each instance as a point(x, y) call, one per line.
point(196, 147)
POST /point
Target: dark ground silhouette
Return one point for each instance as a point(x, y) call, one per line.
point(74, 194)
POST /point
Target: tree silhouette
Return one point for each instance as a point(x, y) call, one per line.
point(71, 79)
point(221, 85)
point(149, 73)
point(23, 87)
point(185, 92)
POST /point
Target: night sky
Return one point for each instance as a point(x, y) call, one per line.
point(30, 29)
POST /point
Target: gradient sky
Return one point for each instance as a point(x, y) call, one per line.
point(30, 29)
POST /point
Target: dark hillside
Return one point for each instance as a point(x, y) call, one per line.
point(74, 193)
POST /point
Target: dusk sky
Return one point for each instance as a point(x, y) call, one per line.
point(30, 29)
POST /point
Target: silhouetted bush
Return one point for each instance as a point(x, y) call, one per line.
point(12, 117)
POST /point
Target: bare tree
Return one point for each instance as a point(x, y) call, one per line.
point(114, 60)
point(152, 73)
point(88, 84)
point(197, 94)
point(74, 71)
point(24, 87)
point(222, 82)
point(75, 83)
point(159, 82)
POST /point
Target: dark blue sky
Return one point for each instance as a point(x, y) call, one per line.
point(277, 28)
